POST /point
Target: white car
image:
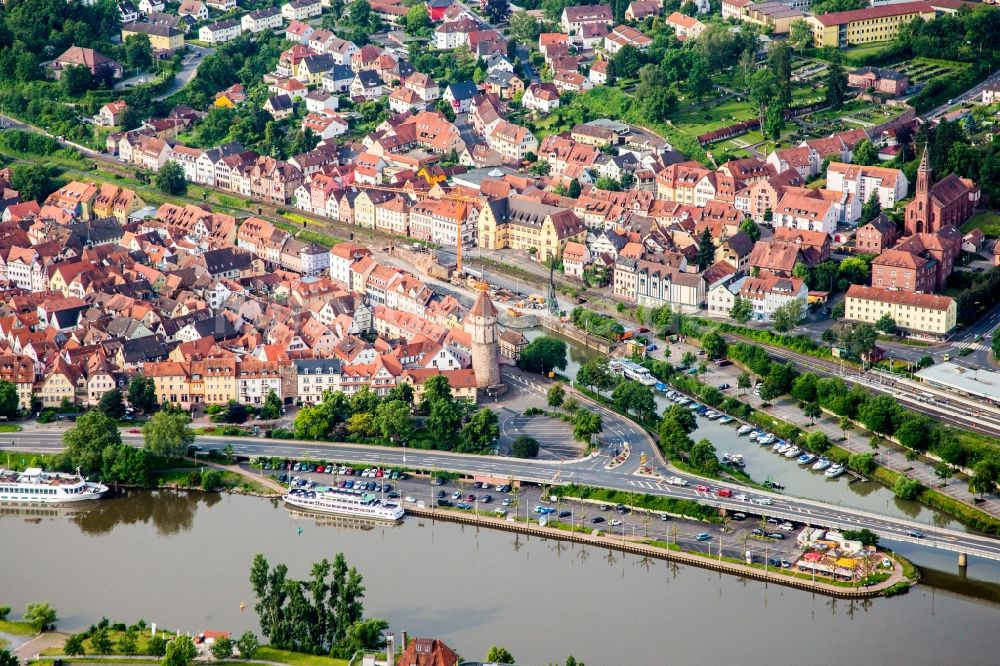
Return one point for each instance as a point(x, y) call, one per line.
point(614, 523)
point(410, 499)
point(741, 497)
point(786, 526)
point(506, 502)
point(500, 511)
point(677, 481)
point(765, 501)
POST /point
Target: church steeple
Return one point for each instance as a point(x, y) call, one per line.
point(924, 175)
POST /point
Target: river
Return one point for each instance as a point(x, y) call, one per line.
point(182, 560)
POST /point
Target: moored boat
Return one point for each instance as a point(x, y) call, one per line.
point(835, 470)
point(792, 451)
point(726, 419)
point(345, 502)
point(806, 458)
point(821, 464)
point(36, 486)
point(745, 430)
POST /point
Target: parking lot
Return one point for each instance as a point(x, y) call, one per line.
point(554, 436)
point(736, 536)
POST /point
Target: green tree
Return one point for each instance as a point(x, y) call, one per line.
point(401, 392)
point(481, 433)
point(112, 404)
point(943, 470)
point(706, 250)
point(742, 309)
point(864, 535)
point(632, 397)
point(74, 647)
point(417, 20)
point(443, 422)
point(886, 324)
point(436, 388)
point(800, 34)
point(596, 374)
point(866, 154)
point(499, 655)
point(76, 80)
point(743, 381)
point(157, 646)
point(574, 189)
point(812, 411)
point(627, 61)
point(271, 410)
point(906, 488)
point(774, 121)
point(836, 82)
point(40, 616)
point(543, 355)
point(222, 649)
point(556, 395)
point(138, 52)
point(142, 393)
point(128, 643)
point(170, 179)
point(703, 456)
point(168, 434)
point(862, 463)
point(392, 418)
point(586, 424)
point(34, 182)
point(524, 28)
point(100, 643)
point(9, 400)
point(497, 11)
point(762, 91)
point(311, 423)
point(714, 345)
point(688, 359)
point(85, 443)
point(984, 478)
point(786, 317)
point(181, 651)
point(524, 447)
point(248, 645)
point(361, 425)
point(236, 412)
point(861, 339)
point(751, 229)
point(817, 441)
point(880, 414)
point(804, 387)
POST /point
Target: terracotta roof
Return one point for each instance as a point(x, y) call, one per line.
point(483, 307)
point(884, 11)
point(913, 299)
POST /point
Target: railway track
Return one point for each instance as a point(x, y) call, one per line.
point(968, 414)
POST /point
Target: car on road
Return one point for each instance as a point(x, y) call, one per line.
point(724, 492)
point(506, 501)
point(701, 488)
point(741, 497)
point(676, 481)
point(739, 516)
point(916, 534)
point(597, 519)
point(134, 431)
point(565, 514)
point(765, 501)
point(703, 536)
point(615, 523)
point(410, 498)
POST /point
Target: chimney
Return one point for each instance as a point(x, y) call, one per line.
point(390, 649)
point(402, 641)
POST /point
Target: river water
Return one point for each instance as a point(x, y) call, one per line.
point(182, 560)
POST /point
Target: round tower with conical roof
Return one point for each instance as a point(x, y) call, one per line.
point(481, 325)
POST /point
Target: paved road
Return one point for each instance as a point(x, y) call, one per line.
point(969, 94)
point(590, 471)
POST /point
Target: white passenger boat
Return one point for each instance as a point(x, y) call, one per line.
point(36, 486)
point(345, 502)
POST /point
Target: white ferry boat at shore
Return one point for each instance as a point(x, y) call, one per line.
point(36, 486)
point(345, 502)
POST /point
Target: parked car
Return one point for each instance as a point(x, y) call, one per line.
point(597, 519)
point(615, 523)
point(724, 387)
point(739, 516)
point(703, 536)
point(775, 535)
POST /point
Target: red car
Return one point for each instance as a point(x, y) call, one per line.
point(703, 489)
point(134, 431)
point(321, 469)
point(724, 492)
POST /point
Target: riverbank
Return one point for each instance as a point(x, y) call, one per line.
point(672, 552)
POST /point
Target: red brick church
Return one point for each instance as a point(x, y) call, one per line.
point(949, 202)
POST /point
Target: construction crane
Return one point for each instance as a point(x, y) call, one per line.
point(458, 231)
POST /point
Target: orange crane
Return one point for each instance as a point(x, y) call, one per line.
point(451, 197)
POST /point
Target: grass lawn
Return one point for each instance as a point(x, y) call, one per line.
point(987, 221)
point(267, 653)
point(865, 50)
point(10, 427)
point(695, 121)
point(16, 628)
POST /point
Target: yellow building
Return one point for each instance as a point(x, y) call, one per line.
point(161, 37)
point(863, 26)
point(920, 313)
point(524, 224)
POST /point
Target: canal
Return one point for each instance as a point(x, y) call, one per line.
point(182, 560)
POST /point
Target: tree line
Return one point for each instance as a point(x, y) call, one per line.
point(439, 421)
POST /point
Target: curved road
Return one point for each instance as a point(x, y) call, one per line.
point(591, 470)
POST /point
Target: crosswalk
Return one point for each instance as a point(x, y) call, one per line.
point(978, 346)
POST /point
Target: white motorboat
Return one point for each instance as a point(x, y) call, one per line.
point(835, 470)
point(792, 452)
point(726, 419)
point(744, 430)
point(821, 464)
